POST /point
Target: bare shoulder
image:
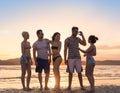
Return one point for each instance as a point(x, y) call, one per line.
point(93, 46)
point(28, 42)
point(59, 42)
point(22, 43)
point(67, 39)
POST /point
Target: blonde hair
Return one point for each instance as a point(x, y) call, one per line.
point(24, 33)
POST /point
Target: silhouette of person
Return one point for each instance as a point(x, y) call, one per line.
point(90, 61)
point(57, 59)
point(74, 59)
point(25, 61)
point(43, 58)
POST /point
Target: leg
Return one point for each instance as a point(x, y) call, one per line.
point(78, 67)
point(40, 80)
point(28, 75)
point(92, 76)
point(23, 68)
point(71, 70)
point(46, 81)
point(89, 74)
point(56, 65)
point(80, 80)
point(70, 80)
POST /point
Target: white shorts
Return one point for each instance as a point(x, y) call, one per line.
point(74, 64)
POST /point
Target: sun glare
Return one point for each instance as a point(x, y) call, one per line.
point(51, 82)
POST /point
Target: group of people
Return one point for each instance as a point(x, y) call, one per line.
point(45, 49)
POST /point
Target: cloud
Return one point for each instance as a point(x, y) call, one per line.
point(106, 47)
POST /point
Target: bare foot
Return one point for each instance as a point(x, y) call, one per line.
point(69, 88)
point(82, 88)
point(46, 88)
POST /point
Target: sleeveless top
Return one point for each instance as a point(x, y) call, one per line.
point(73, 45)
point(42, 48)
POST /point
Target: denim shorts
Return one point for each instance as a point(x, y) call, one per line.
point(42, 64)
point(90, 59)
point(23, 59)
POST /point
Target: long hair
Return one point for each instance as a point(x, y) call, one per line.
point(53, 37)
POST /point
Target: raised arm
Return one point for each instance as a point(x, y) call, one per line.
point(82, 41)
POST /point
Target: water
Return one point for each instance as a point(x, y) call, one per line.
point(10, 76)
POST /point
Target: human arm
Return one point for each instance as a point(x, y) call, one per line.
point(49, 52)
point(82, 50)
point(34, 55)
point(59, 47)
point(88, 50)
point(65, 51)
point(83, 41)
point(23, 50)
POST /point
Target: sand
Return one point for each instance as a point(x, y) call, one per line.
point(102, 86)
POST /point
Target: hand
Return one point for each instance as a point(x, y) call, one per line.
point(80, 33)
point(66, 62)
point(31, 62)
point(50, 54)
point(36, 63)
point(84, 55)
point(49, 61)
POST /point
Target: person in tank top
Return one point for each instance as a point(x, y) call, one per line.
point(72, 56)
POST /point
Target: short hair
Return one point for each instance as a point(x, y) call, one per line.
point(74, 27)
point(53, 37)
point(93, 38)
point(24, 33)
point(38, 31)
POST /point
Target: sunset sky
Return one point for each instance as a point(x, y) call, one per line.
point(96, 17)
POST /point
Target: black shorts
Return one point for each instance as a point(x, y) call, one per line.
point(42, 64)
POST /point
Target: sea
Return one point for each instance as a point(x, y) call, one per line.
point(10, 76)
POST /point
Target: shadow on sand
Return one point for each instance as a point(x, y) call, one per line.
point(98, 89)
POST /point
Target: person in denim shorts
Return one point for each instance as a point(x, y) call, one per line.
point(25, 60)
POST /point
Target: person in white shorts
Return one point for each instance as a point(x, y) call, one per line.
point(71, 46)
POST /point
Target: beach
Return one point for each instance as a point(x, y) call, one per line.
point(106, 80)
point(102, 86)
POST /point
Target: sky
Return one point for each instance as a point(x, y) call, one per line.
point(93, 17)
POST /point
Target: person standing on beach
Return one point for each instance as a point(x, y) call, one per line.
point(57, 59)
point(43, 58)
point(25, 61)
point(90, 62)
point(74, 59)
